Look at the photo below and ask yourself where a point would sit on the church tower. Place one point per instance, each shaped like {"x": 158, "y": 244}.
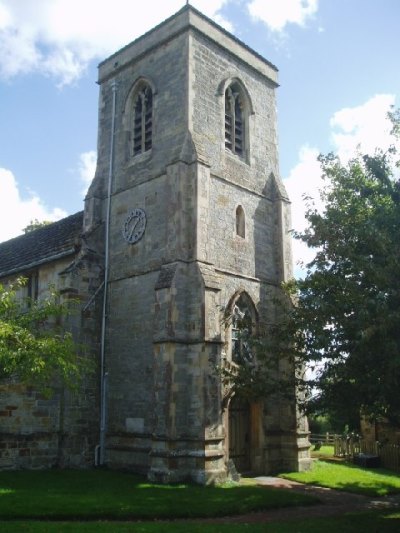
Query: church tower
{"x": 188, "y": 208}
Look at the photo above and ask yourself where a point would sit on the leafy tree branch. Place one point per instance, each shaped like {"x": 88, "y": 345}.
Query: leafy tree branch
{"x": 33, "y": 344}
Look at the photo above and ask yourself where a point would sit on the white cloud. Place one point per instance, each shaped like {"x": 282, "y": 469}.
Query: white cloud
{"x": 87, "y": 168}
{"x": 304, "y": 181}
{"x": 58, "y": 38}
{"x": 276, "y": 14}
{"x": 17, "y": 212}
{"x": 365, "y": 127}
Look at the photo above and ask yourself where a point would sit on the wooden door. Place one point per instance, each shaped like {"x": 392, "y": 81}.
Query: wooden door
{"x": 239, "y": 434}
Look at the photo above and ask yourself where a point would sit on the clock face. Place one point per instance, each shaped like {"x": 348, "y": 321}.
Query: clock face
{"x": 134, "y": 226}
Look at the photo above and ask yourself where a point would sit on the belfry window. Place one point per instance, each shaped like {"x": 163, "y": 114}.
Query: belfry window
{"x": 234, "y": 120}
{"x": 143, "y": 120}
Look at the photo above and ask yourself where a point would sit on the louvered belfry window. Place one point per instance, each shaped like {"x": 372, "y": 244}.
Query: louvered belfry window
{"x": 234, "y": 120}
{"x": 143, "y": 121}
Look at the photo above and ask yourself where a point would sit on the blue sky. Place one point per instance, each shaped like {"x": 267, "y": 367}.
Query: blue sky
{"x": 339, "y": 73}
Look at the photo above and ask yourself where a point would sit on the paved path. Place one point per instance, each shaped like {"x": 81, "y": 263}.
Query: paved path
{"x": 333, "y": 502}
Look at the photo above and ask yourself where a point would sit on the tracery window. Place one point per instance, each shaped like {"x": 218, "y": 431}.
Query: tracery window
{"x": 234, "y": 120}
{"x": 241, "y": 331}
{"x": 143, "y": 120}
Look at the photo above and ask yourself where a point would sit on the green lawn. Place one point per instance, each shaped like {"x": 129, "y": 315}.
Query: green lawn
{"x": 324, "y": 451}
{"x": 350, "y": 478}
{"x": 108, "y": 501}
{"x": 384, "y": 521}
{"x": 104, "y": 494}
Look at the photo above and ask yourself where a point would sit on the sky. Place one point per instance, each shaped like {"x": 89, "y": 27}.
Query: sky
{"x": 339, "y": 74}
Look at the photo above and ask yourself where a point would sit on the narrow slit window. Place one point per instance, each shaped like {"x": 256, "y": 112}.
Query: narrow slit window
{"x": 234, "y": 120}
{"x": 143, "y": 121}
{"x": 32, "y": 287}
{"x": 240, "y": 222}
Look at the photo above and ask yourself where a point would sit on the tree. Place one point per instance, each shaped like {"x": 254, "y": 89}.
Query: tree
{"x": 347, "y": 315}
{"x": 36, "y": 224}
{"x": 340, "y": 339}
{"x": 33, "y": 344}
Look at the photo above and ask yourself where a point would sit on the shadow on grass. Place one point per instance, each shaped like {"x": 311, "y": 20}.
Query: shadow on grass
{"x": 350, "y": 464}
{"x": 349, "y": 477}
{"x": 384, "y": 521}
{"x": 104, "y": 494}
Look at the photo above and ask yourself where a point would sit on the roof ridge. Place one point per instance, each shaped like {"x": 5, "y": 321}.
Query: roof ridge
{"x": 58, "y": 239}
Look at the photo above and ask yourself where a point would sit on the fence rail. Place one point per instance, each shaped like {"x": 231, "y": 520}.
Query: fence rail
{"x": 324, "y": 438}
{"x": 349, "y": 447}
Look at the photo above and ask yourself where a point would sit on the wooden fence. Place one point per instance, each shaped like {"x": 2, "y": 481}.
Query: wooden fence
{"x": 349, "y": 447}
{"x": 324, "y": 438}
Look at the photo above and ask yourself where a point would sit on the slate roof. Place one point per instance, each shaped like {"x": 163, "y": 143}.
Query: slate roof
{"x": 54, "y": 241}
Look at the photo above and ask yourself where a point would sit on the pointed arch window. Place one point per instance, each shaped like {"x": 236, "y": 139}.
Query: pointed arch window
{"x": 143, "y": 120}
{"x": 234, "y": 120}
{"x": 240, "y": 222}
{"x": 242, "y": 330}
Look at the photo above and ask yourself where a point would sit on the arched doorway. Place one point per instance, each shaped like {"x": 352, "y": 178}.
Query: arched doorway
{"x": 240, "y": 352}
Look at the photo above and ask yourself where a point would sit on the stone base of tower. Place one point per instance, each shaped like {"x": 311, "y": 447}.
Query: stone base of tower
{"x": 166, "y": 460}
{"x": 203, "y": 461}
{"x": 176, "y": 460}
{"x": 287, "y": 452}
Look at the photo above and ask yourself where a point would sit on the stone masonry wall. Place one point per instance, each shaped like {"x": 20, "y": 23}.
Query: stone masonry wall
{"x": 168, "y": 291}
{"x": 62, "y": 429}
{"x": 29, "y": 428}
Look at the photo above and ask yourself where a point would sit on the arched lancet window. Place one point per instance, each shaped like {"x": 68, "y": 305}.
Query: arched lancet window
{"x": 240, "y": 222}
{"x": 243, "y": 322}
{"x": 234, "y": 120}
{"x": 142, "y": 120}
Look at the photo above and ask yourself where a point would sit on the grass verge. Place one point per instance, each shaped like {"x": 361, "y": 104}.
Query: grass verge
{"x": 104, "y": 494}
{"x": 350, "y": 478}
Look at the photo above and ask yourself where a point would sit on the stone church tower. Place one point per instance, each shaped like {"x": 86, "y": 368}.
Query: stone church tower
{"x": 188, "y": 208}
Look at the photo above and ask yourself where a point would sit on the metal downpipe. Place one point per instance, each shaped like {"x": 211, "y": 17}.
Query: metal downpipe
{"x": 103, "y": 373}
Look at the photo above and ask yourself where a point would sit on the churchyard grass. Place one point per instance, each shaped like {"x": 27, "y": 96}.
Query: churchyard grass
{"x": 105, "y": 494}
{"x": 324, "y": 451}
{"x": 350, "y": 478}
{"x": 384, "y": 521}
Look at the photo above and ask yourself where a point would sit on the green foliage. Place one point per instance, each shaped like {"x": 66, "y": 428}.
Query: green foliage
{"x": 336, "y": 339}
{"x": 36, "y": 224}
{"x": 33, "y": 344}
{"x": 320, "y": 424}
{"x": 348, "y": 309}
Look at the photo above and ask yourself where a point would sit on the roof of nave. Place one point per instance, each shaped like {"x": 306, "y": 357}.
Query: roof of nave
{"x": 42, "y": 245}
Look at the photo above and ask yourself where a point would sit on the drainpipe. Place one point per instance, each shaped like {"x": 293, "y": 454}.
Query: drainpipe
{"x": 103, "y": 373}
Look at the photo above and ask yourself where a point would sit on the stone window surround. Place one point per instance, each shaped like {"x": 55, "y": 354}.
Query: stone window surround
{"x": 230, "y": 330}
{"x": 240, "y": 222}
{"x": 137, "y": 89}
{"x": 235, "y": 115}
{"x": 32, "y": 285}
{"x": 247, "y": 111}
